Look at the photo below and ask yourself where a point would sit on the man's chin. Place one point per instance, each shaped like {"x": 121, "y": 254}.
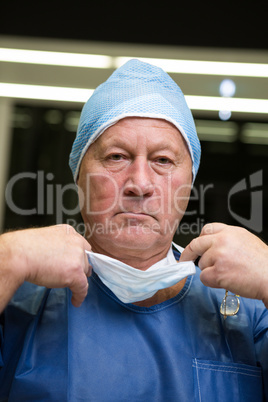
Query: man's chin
{"x": 137, "y": 233}
{"x": 133, "y": 238}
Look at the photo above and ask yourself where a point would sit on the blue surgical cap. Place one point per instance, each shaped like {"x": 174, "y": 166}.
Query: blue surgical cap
{"x": 135, "y": 89}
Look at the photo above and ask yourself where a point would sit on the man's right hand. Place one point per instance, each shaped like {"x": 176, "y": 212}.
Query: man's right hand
{"x": 53, "y": 257}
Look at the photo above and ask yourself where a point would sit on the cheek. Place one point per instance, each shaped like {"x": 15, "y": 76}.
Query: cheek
{"x": 180, "y": 194}
{"x": 98, "y": 194}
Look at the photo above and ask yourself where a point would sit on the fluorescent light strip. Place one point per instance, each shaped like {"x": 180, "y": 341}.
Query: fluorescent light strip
{"x": 81, "y": 95}
{"x": 255, "y": 133}
{"x": 213, "y": 130}
{"x": 55, "y": 58}
{"x": 105, "y": 61}
{"x": 213, "y": 103}
{"x": 204, "y": 67}
{"x": 42, "y": 92}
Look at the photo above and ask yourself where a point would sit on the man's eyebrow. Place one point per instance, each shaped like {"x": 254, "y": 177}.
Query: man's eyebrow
{"x": 100, "y": 147}
{"x": 156, "y": 147}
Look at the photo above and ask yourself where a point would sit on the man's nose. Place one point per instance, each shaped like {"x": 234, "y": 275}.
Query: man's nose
{"x": 139, "y": 182}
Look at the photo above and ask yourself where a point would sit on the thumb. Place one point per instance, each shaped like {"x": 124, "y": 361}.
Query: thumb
{"x": 188, "y": 254}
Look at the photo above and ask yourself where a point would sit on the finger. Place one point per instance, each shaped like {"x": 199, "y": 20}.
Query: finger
{"x": 188, "y": 254}
{"x": 86, "y": 245}
{"x": 88, "y": 267}
{"x": 212, "y": 228}
{"x": 196, "y": 248}
{"x": 79, "y": 292}
{"x": 205, "y": 261}
{"x": 209, "y": 278}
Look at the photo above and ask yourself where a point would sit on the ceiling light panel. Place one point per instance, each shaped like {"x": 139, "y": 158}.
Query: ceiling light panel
{"x": 55, "y": 58}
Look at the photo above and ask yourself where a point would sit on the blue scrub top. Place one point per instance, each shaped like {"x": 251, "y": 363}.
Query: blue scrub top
{"x": 105, "y": 350}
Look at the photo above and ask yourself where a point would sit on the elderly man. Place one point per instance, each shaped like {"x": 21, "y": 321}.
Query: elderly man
{"x": 147, "y": 328}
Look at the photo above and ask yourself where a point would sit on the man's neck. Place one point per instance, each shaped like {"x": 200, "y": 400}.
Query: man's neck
{"x": 140, "y": 259}
{"x": 162, "y": 295}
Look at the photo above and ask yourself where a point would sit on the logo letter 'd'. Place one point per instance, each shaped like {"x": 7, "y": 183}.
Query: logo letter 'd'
{"x": 256, "y": 200}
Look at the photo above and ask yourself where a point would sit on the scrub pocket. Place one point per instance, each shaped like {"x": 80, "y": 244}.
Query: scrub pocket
{"x": 226, "y": 382}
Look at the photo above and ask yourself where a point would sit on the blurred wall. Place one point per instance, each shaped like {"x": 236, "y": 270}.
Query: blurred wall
{"x": 36, "y": 137}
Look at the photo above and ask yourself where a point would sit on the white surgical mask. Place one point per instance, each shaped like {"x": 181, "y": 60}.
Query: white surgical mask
{"x": 131, "y": 284}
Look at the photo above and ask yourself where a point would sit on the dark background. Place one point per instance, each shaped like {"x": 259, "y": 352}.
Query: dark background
{"x": 225, "y": 25}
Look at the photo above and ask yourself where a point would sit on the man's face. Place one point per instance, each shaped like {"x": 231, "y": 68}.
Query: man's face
{"x": 134, "y": 185}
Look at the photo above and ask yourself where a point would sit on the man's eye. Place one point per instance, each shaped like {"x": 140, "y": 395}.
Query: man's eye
{"x": 163, "y": 161}
{"x": 116, "y": 157}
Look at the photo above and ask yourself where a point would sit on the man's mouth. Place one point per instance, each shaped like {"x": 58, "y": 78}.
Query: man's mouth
{"x": 135, "y": 214}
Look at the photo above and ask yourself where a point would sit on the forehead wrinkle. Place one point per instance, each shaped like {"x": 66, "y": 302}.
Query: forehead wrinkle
{"x": 111, "y": 139}
{"x": 155, "y": 144}
{"x": 116, "y": 136}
